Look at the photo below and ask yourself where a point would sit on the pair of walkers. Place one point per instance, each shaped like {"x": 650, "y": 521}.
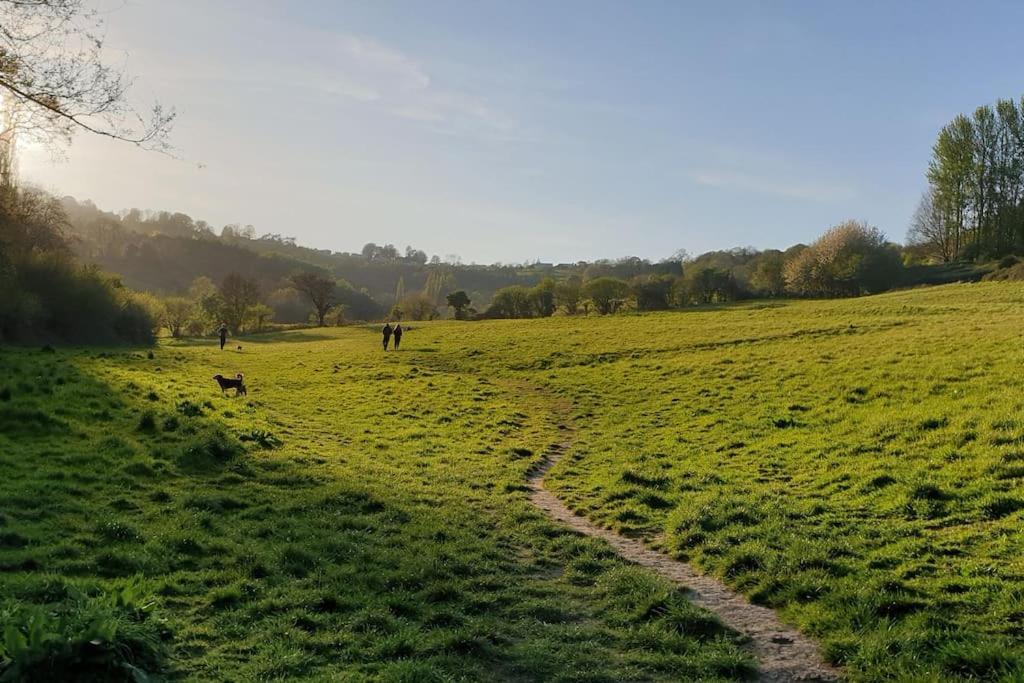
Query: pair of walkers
{"x": 390, "y": 332}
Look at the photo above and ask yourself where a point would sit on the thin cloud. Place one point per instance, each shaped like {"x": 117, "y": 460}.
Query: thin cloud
{"x": 372, "y": 73}
{"x": 766, "y": 184}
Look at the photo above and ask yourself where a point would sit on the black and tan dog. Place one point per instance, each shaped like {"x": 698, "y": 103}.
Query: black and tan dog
{"x": 227, "y": 383}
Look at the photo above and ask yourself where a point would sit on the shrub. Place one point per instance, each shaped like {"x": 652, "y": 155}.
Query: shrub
{"x": 607, "y": 294}
{"x": 147, "y": 422}
{"x": 189, "y": 409}
{"x": 49, "y": 296}
{"x": 261, "y": 438}
{"x": 511, "y": 302}
{"x": 653, "y": 292}
{"x": 704, "y": 286}
{"x": 210, "y": 446}
{"x": 850, "y": 259}
{"x": 109, "y": 637}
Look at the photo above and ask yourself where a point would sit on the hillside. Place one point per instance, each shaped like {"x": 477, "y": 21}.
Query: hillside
{"x": 163, "y": 252}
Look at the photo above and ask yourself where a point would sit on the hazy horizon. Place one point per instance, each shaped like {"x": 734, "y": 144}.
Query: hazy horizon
{"x": 518, "y": 132}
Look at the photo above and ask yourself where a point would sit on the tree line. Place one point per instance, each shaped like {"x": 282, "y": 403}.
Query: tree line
{"x": 198, "y": 279}
{"x": 850, "y": 259}
{"x": 250, "y": 291}
{"x": 973, "y": 208}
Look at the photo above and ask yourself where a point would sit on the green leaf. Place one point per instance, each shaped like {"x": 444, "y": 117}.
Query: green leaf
{"x": 14, "y": 641}
{"x": 138, "y": 675}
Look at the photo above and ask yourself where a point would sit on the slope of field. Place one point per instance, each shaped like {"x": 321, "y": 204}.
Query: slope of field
{"x": 357, "y": 516}
{"x": 856, "y": 465}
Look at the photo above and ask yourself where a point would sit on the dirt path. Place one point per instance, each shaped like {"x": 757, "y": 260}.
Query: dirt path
{"x": 782, "y": 653}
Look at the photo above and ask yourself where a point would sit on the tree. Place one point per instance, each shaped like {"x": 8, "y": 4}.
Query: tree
{"x": 56, "y": 80}
{"x": 511, "y": 302}
{"x": 950, "y": 174}
{"x": 31, "y": 221}
{"x": 237, "y": 294}
{"x": 151, "y": 305}
{"x": 415, "y": 255}
{"x": 705, "y": 285}
{"x": 652, "y": 292}
{"x": 851, "y": 258}
{"x": 976, "y": 177}
{"x": 930, "y": 229}
{"x": 438, "y": 281}
{"x": 983, "y": 190}
{"x": 458, "y": 301}
{"x": 257, "y": 316}
{"x": 177, "y": 312}
{"x": 400, "y": 290}
{"x": 606, "y": 293}
{"x": 801, "y": 272}
{"x": 208, "y": 305}
{"x": 419, "y": 306}
{"x": 567, "y": 294}
{"x": 319, "y": 290}
{"x": 337, "y": 315}
{"x": 680, "y": 256}
{"x": 543, "y": 295}
{"x": 767, "y": 276}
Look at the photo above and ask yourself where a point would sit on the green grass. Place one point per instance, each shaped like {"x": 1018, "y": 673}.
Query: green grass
{"x": 857, "y": 465}
{"x": 357, "y": 516}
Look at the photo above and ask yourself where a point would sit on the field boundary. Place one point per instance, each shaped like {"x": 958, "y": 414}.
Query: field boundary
{"x": 782, "y": 653}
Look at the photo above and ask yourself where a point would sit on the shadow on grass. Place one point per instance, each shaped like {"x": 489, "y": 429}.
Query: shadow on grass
{"x": 291, "y": 336}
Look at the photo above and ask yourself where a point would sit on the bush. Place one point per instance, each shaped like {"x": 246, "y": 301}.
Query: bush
{"x": 45, "y": 294}
{"x": 261, "y": 438}
{"x": 653, "y": 292}
{"x": 704, "y": 286}
{"x": 109, "y": 637}
{"x": 850, "y": 259}
{"x": 50, "y": 297}
{"x": 209, "y": 447}
{"x": 607, "y": 294}
{"x": 511, "y": 302}
{"x": 147, "y": 422}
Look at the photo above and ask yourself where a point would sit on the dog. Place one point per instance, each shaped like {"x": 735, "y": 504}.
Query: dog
{"x": 227, "y": 383}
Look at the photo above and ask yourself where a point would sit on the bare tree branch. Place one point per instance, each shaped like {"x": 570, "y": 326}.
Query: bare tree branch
{"x": 57, "y": 79}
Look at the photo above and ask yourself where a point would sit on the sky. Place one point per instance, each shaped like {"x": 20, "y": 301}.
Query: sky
{"x": 531, "y": 130}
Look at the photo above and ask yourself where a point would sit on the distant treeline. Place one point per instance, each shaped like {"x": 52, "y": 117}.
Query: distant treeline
{"x": 199, "y": 274}
{"x": 173, "y": 255}
{"x": 850, "y": 259}
{"x": 974, "y": 206}
{"x": 193, "y": 280}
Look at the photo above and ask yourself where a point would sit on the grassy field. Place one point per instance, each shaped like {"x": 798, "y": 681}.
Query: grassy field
{"x": 855, "y": 464}
{"x": 357, "y": 516}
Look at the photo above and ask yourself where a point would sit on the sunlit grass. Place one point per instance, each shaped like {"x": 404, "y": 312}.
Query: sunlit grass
{"x": 356, "y": 515}
{"x": 855, "y": 464}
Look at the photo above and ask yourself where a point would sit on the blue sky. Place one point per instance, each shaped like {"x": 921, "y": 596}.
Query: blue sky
{"x": 559, "y": 131}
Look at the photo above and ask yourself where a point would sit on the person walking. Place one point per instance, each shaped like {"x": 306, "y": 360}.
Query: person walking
{"x": 387, "y": 336}
{"x": 398, "y": 335}
{"x": 223, "y": 331}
